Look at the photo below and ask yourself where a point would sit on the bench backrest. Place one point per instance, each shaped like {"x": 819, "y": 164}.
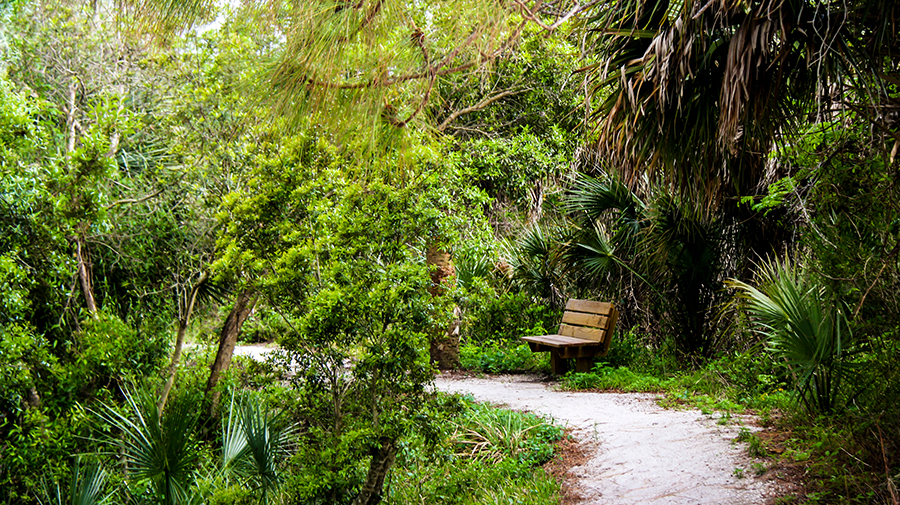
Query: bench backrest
{"x": 589, "y": 320}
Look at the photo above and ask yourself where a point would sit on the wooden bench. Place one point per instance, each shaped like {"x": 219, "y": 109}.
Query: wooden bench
{"x": 585, "y": 332}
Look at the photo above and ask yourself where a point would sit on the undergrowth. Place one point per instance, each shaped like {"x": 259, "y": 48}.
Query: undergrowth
{"x": 485, "y": 455}
{"x": 502, "y": 358}
{"x": 847, "y": 457}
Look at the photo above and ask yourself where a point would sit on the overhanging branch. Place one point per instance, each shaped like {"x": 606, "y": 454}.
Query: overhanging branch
{"x": 479, "y": 106}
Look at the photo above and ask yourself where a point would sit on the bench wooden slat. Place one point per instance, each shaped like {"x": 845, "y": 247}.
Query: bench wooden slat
{"x": 588, "y": 306}
{"x": 559, "y": 341}
{"x": 582, "y": 319}
{"x": 582, "y": 332}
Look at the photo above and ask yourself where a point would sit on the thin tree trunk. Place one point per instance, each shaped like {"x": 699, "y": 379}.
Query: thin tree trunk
{"x": 179, "y": 342}
{"x": 70, "y": 119}
{"x": 32, "y": 398}
{"x": 81, "y": 257}
{"x": 243, "y": 306}
{"x": 382, "y": 460}
{"x": 84, "y": 277}
{"x": 444, "y": 349}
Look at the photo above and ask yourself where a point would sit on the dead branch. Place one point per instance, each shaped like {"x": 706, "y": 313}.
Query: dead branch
{"x": 134, "y": 200}
{"x": 532, "y": 14}
{"x": 479, "y": 106}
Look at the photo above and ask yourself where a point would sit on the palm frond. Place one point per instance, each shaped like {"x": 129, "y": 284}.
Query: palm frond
{"x": 804, "y": 328}
{"x": 536, "y": 263}
{"x": 592, "y": 197}
{"x": 593, "y": 254}
{"x": 692, "y": 89}
{"x": 255, "y": 443}
{"x": 158, "y": 449}
{"x": 85, "y": 487}
{"x": 471, "y": 265}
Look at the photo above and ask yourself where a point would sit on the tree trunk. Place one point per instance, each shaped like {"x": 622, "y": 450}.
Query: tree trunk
{"x": 32, "y": 398}
{"x": 444, "y": 349}
{"x": 183, "y": 322}
{"x": 382, "y": 460}
{"x": 243, "y": 306}
{"x": 84, "y": 276}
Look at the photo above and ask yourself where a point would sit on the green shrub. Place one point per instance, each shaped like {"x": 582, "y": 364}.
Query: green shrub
{"x": 506, "y": 317}
{"x": 108, "y": 351}
{"x": 496, "y": 358}
{"x": 232, "y": 495}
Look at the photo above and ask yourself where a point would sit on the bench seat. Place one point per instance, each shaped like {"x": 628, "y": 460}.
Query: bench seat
{"x": 585, "y": 333}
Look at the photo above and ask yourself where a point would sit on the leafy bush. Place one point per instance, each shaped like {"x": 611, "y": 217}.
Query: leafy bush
{"x": 491, "y": 317}
{"x": 495, "y": 358}
{"x": 108, "y": 351}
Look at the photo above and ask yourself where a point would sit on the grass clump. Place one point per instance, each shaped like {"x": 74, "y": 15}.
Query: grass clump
{"x": 616, "y": 379}
{"x": 485, "y": 455}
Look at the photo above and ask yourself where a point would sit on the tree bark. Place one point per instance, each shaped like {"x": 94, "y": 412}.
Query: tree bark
{"x": 444, "y": 348}
{"x": 382, "y": 460}
{"x": 32, "y": 398}
{"x": 179, "y": 341}
{"x": 84, "y": 277}
{"x": 243, "y": 306}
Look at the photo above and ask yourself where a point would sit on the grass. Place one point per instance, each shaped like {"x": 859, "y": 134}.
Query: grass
{"x": 488, "y": 456}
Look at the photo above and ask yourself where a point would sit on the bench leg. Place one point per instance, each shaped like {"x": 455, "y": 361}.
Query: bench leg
{"x": 558, "y": 365}
{"x": 584, "y": 365}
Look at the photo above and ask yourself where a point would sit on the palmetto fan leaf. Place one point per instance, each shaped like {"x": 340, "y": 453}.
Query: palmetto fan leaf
{"x": 536, "y": 261}
{"x": 802, "y": 327}
{"x": 593, "y": 254}
{"x": 158, "y": 449}
{"x": 85, "y": 487}
{"x": 471, "y": 265}
{"x": 254, "y": 444}
{"x": 591, "y": 198}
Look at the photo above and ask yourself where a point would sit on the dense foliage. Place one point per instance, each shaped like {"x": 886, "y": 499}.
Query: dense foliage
{"x": 367, "y": 182}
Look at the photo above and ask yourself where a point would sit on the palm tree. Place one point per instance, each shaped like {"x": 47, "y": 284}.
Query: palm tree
{"x": 695, "y": 92}
{"x": 667, "y": 252}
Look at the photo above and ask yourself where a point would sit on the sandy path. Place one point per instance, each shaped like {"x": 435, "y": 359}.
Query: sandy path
{"x": 640, "y": 452}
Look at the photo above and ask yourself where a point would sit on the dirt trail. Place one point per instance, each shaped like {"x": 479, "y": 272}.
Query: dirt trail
{"x": 640, "y": 453}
